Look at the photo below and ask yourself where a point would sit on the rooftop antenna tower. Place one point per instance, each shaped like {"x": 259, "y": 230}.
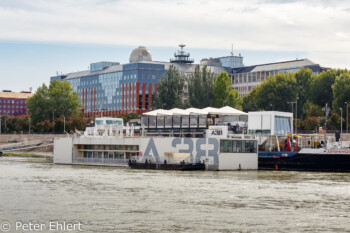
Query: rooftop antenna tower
{"x": 182, "y": 57}
{"x": 232, "y": 49}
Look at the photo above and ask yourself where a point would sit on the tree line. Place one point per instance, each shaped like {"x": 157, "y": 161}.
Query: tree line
{"x": 204, "y": 90}
{"x": 306, "y": 94}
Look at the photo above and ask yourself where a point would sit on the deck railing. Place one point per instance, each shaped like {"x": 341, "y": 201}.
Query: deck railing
{"x": 101, "y": 161}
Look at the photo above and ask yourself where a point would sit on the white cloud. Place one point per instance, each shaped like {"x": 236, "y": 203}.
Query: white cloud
{"x": 317, "y": 27}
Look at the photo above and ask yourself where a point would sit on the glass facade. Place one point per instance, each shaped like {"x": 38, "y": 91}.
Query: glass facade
{"x": 231, "y": 61}
{"x": 121, "y": 89}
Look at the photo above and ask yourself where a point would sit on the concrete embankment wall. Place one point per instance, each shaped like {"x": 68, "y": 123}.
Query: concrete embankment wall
{"x": 4, "y": 138}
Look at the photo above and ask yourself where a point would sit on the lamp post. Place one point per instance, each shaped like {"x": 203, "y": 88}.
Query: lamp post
{"x": 347, "y": 111}
{"x": 64, "y": 124}
{"x": 296, "y": 115}
{"x": 341, "y": 120}
{"x": 292, "y": 115}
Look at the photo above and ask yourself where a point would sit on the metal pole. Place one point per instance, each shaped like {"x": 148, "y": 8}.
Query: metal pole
{"x": 325, "y": 127}
{"x": 0, "y": 125}
{"x": 296, "y": 115}
{"x": 292, "y": 115}
{"x": 341, "y": 120}
{"x": 64, "y": 124}
{"x": 347, "y": 119}
{"x": 29, "y": 125}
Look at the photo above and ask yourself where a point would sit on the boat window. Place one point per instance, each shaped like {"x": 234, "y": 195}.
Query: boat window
{"x": 116, "y": 122}
{"x": 98, "y": 122}
{"x": 144, "y": 121}
{"x": 194, "y": 121}
{"x": 176, "y": 121}
{"x": 202, "y": 121}
{"x": 185, "y": 122}
{"x": 109, "y": 122}
{"x": 238, "y": 146}
{"x": 168, "y": 121}
{"x": 152, "y": 122}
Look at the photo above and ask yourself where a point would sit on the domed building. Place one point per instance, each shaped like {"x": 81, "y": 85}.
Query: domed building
{"x": 140, "y": 54}
{"x": 110, "y": 88}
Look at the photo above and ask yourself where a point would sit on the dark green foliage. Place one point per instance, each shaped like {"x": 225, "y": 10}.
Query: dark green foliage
{"x": 52, "y": 102}
{"x": 201, "y": 88}
{"x": 170, "y": 90}
{"x": 224, "y": 94}
{"x": 273, "y": 94}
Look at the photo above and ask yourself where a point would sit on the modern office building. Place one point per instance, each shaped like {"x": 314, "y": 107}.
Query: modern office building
{"x": 116, "y": 88}
{"x": 13, "y": 103}
{"x": 245, "y": 78}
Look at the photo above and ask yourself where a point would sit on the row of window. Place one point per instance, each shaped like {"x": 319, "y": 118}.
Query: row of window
{"x": 13, "y": 101}
{"x": 110, "y": 147}
{"x": 13, "y": 106}
{"x": 12, "y": 111}
{"x": 243, "y": 89}
{"x": 105, "y": 155}
{"x": 259, "y": 76}
{"x": 238, "y": 146}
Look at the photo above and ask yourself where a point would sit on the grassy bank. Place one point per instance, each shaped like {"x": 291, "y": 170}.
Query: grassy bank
{"x": 26, "y": 155}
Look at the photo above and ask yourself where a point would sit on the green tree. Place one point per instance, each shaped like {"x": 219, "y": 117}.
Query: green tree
{"x": 341, "y": 91}
{"x": 224, "y": 94}
{"x": 201, "y": 88}
{"x": 311, "y": 123}
{"x": 43, "y": 126}
{"x": 312, "y": 110}
{"x": 22, "y": 124}
{"x": 321, "y": 88}
{"x": 54, "y": 101}
{"x": 304, "y": 78}
{"x": 249, "y": 101}
{"x": 170, "y": 90}
{"x": 277, "y": 92}
{"x": 334, "y": 122}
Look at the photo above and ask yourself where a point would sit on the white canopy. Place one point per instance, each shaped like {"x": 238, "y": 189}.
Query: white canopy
{"x": 195, "y": 111}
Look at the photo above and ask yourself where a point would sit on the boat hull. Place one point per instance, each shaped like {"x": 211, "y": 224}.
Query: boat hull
{"x": 179, "y": 167}
{"x": 293, "y": 161}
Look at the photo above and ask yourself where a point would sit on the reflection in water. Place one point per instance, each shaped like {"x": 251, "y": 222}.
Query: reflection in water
{"x": 107, "y": 199}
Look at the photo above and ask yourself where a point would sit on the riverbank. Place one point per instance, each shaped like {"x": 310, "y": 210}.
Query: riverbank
{"x": 28, "y": 155}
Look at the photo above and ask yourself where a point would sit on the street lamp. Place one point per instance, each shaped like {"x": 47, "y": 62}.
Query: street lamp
{"x": 347, "y": 111}
{"x": 292, "y": 115}
{"x": 296, "y": 115}
{"x": 341, "y": 120}
{"x": 64, "y": 124}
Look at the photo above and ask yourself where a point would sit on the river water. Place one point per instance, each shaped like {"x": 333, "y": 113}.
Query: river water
{"x": 107, "y": 199}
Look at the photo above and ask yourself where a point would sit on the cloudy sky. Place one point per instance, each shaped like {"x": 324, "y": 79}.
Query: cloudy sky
{"x": 40, "y": 37}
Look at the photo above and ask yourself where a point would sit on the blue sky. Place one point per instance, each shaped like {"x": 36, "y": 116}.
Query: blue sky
{"x": 40, "y": 37}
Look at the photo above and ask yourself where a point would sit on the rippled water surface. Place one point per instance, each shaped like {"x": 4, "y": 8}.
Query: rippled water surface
{"x": 122, "y": 200}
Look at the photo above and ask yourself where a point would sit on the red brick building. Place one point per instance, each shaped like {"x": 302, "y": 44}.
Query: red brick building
{"x": 14, "y": 103}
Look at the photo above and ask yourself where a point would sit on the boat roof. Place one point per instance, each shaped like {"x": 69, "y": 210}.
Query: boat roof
{"x": 227, "y": 110}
